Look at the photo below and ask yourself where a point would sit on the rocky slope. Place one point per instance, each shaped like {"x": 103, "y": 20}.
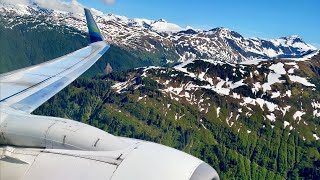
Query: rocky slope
{"x": 282, "y": 92}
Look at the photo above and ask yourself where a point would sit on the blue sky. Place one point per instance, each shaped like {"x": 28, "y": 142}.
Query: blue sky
{"x": 251, "y": 18}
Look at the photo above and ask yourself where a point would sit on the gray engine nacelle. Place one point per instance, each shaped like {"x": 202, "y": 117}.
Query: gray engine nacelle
{"x": 25, "y": 130}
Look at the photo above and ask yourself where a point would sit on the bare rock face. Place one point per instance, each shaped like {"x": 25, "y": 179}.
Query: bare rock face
{"x": 108, "y": 69}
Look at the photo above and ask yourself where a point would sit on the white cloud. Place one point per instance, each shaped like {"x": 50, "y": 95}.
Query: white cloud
{"x": 74, "y": 6}
{"x": 108, "y": 1}
{"x": 15, "y": 1}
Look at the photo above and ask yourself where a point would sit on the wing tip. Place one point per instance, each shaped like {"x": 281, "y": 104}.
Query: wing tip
{"x": 94, "y": 31}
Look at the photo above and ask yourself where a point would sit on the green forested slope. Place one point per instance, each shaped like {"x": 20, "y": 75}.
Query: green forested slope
{"x": 265, "y": 153}
{"x": 21, "y": 46}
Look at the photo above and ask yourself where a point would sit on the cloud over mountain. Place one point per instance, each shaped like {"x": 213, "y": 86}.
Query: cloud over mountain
{"x": 108, "y": 1}
{"x": 74, "y": 6}
{"x": 15, "y": 1}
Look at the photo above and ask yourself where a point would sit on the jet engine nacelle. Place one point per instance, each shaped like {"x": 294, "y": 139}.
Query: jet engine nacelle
{"x": 64, "y": 140}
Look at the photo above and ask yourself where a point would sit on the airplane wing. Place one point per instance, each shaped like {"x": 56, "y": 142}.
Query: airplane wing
{"x": 39, "y": 147}
{"x": 28, "y": 88}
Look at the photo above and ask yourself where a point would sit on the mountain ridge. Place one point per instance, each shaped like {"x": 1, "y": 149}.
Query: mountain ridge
{"x": 266, "y": 87}
{"x": 171, "y": 42}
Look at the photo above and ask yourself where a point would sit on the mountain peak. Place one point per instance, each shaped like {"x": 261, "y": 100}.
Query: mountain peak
{"x": 161, "y": 20}
{"x": 292, "y": 37}
{"x": 294, "y": 41}
{"x": 220, "y": 29}
{"x": 189, "y": 31}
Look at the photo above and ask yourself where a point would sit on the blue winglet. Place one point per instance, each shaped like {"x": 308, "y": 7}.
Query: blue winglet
{"x": 94, "y": 32}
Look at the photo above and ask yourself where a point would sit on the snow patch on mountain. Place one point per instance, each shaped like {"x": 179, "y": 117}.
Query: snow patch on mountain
{"x": 278, "y": 68}
{"x": 298, "y": 115}
{"x": 301, "y": 80}
{"x": 272, "y": 79}
{"x": 163, "y": 26}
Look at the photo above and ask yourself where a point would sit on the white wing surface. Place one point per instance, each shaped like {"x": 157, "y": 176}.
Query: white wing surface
{"x": 28, "y": 88}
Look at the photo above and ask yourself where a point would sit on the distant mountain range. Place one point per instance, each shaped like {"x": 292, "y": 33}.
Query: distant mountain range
{"x": 168, "y": 41}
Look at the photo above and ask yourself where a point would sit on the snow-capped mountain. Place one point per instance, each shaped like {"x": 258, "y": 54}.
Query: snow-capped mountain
{"x": 168, "y": 41}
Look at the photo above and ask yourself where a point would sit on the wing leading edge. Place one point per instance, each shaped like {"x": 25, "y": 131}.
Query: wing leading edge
{"x": 28, "y": 88}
